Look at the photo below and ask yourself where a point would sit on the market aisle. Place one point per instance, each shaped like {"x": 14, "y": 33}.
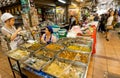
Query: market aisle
{"x": 106, "y": 61}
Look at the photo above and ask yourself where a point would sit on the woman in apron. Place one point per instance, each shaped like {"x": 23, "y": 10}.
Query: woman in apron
{"x": 9, "y": 30}
{"x": 48, "y": 37}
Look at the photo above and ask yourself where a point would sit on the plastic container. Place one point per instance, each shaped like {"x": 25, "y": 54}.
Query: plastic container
{"x": 62, "y": 33}
{"x": 55, "y": 28}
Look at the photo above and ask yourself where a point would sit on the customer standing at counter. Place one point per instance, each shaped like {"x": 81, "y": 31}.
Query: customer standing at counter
{"x": 9, "y": 30}
{"x": 48, "y": 37}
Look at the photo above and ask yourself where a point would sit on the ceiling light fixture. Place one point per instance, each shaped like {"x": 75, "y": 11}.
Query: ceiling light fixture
{"x": 62, "y": 1}
{"x": 81, "y": 0}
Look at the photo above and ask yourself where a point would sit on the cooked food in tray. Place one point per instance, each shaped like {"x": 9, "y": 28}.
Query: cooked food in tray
{"x": 55, "y": 68}
{"x": 25, "y": 45}
{"x": 72, "y": 72}
{"x": 85, "y": 49}
{"x": 35, "y": 63}
{"x": 35, "y": 46}
{"x": 79, "y": 48}
{"x": 73, "y": 47}
{"x": 54, "y": 47}
{"x": 67, "y": 55}
{"x": 82, "y": 58}
{"x": 18, "y": 54}
{"x": 45, "y": 53}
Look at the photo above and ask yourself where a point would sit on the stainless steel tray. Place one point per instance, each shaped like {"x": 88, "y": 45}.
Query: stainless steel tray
{"x": 43, "y": 53}
{"x": 54, "y": 47}
{"x": 36, "y": 63}
{"x": 79, "y": 48}
{"x": 55, "y": 68}
{"x": 18, "y": 54}
{"x": 76, "y": 57}
{"x": 62, "y": 69}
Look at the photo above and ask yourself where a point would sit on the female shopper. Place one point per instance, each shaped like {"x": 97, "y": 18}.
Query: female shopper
{"x": 109, "y": 25}
{"x": 48, "y": 37}
{"x": 9, "y": 30}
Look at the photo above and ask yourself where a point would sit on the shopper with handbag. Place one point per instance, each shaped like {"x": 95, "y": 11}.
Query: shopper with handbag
{"x": 109, "y": 25}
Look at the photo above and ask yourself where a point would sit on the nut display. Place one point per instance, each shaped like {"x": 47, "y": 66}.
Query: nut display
{"x": 18, "y": 54}
{"x": 54, "y": 47}
{"x": 67, "y": 55}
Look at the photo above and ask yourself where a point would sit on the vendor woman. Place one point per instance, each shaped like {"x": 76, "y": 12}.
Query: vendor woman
{"x": 48, "y": 37}
{"x": 10, "y": 31}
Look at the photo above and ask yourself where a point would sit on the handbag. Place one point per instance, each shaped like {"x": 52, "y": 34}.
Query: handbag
{"x": 110, "y": 27}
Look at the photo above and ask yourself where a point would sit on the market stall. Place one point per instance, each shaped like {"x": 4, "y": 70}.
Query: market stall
{"x": 70, "y": 57}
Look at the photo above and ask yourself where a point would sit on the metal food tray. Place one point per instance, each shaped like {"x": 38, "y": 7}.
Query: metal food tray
{"x": 65, "y": 70}
{"x": 79, "y": 50}
{"x": 25, "y": 45}
{"x": 18, "y": 54}
{"x": 42, "y": 53}
{"x": 54, "y": 47}
{"x": 55, "y": 68}
{"x": 35, "y": 63}
{"x": 74, "y": 61}
{"x": 35, "y": 47}
{"x": 74, "y": 72}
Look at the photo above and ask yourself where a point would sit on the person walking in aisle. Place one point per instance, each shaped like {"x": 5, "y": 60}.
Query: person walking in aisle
{"x": 109, "y": 25}
{"x": 9, "y": 30}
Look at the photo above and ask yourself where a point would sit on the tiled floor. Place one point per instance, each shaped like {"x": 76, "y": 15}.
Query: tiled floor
{"x": 107, "y": 57}
{"x": 102, "y": 64}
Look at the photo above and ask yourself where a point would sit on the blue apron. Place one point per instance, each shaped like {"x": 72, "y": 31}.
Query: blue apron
{"x": 48, "y": 42}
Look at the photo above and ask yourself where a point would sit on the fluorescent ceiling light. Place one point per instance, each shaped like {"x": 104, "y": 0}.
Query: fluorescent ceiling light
{"x": 62, "y": 1}
{"x": 81, "y": 0}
